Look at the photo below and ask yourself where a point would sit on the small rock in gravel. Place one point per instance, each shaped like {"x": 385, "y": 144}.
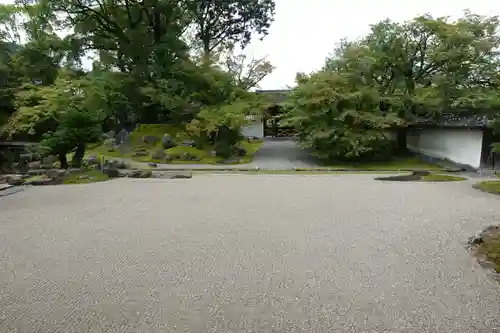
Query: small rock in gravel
{"x": 152, "y": 164}
{"x": 181, "y": 176}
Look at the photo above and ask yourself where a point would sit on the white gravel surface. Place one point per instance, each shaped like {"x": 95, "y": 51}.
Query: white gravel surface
{"x": 246, "y": 253}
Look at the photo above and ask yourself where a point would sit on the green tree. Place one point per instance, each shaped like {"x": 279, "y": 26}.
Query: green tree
{"x": 65, "y": 115}
{"x": 337, "y": 120}
{"x": 219, "y": 23}
{"x": 425, "y": 67}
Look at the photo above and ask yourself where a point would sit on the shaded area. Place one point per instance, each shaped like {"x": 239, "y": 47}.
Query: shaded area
{"x": 282, "y": 153}
{"x": 422, "y": 176}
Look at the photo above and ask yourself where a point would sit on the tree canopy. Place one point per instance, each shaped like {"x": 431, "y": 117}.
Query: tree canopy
{"x": 397, "y": 74}
{"x": 143, "y": 69}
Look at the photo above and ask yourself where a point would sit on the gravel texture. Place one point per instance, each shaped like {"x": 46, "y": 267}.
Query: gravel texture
{"x": 246, "y": 253}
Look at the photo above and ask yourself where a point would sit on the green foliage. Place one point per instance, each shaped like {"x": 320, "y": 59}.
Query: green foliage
{"x": 216, "y": 23}
{"x": 442, "y": 178}
{"x": 489, "y": 186}
{"x": 144, "y": 72}
{"x": 397, "y": 74}
{"x": 338, "y": 122}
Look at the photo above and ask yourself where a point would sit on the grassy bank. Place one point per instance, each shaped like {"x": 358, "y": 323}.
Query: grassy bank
{"x": 400, "y": 163}
{"x": 139, "y": 151}
{"x": 489, "y": 186}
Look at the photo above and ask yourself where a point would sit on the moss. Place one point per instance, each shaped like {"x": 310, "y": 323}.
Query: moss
{"x": 490, "y": 248}
{"x": 203, "y": 156}
{"x": 396, "y": 164}
{"x": 85, "y": 177}
{"x": 422, "y": 178}
{"x": 441, "y": 178}
{"x": 489, "y": 186}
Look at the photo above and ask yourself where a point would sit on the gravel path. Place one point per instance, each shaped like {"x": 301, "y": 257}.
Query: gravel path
{"x": 246, "y": 253}
{"x": 275, "y": 154}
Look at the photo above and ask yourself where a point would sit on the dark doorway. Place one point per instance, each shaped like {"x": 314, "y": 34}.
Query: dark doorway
{"x": 489, "y": 159}
{"x": 272, "y": 126}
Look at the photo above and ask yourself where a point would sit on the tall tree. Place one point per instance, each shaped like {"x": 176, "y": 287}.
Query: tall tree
{"x": 233, "y": 21}
{"x": 246, "y": 72}
{"x": 420, "y": 69}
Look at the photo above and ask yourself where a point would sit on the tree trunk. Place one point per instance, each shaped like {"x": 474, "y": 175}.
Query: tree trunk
{"x": 63, "y": 160}
{"x": 401, "y": 144}
{"x": 78, "y": 156}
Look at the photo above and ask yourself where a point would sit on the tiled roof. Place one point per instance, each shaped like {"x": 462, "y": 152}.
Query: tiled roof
{"x": 455, "y": 120}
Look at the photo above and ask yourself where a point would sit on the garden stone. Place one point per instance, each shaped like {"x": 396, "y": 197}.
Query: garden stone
{"x": 117, "y": 164}
{"x": 110, "y": 135}
{"x": 146, "y": 174}
{"x": 420, "y": 173}
{"x": 54, "y": 174}
{"x": 213, "y": 153}
{"x": 186, "y": 156}
{"x": 26, "y": 157}
{"x": 140, "y": 174}
{"x": 22, "y": 166}
{"x": 152, "y": 164}
{"x": 122, "y": 137}
{"x": 167, "y": 159}
{"x": 150, "y": 139}
{"x": 14, "y": 180}
{"x": 93, "y": 160}
{"x": 110, "y": 143}
{"x": 36, "y": 172}
{"x": 167, "y": 141}
{"x": 42, "y": 181}
{"x": 181, "y": 176}
{"x": 50, "y": 159}
{"x": 240, "y": 151}
{"x": 158, "y": 154}
{"x": 112, "y": 173}
{"x": 35, "y": 165}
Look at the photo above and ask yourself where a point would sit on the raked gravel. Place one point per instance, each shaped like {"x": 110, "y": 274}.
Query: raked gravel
{"x": 247, "y": 253}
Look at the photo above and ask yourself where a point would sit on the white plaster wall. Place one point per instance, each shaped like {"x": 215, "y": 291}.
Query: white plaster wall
{"x": 462, "y": 146}
{"x": 253, "y": 129}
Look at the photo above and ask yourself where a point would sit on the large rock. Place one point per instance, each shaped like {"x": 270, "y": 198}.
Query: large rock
{"x": 115, "y": 164}
{"x": 14, "y": 180}
{"x": 150, "y": 139}
{"x": 110, "y": 143}
{"x": 181, "y": 176}
{"x": 29, "y": 157}
{"x": 49, "y": 160}
{"x": 110, "y": 134}
{"x": 22, "y": 166}
{"x": 93, "y": 160}
{"x": 122, "y": 137}
{"x": 167, "y": 141}
{"x": 44, "y": 180}
{"x": 240, "y": 151}
{"x": 140, "y": 174}
{"x": 56, "y": 173}
{"x": 112, "y": 173}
